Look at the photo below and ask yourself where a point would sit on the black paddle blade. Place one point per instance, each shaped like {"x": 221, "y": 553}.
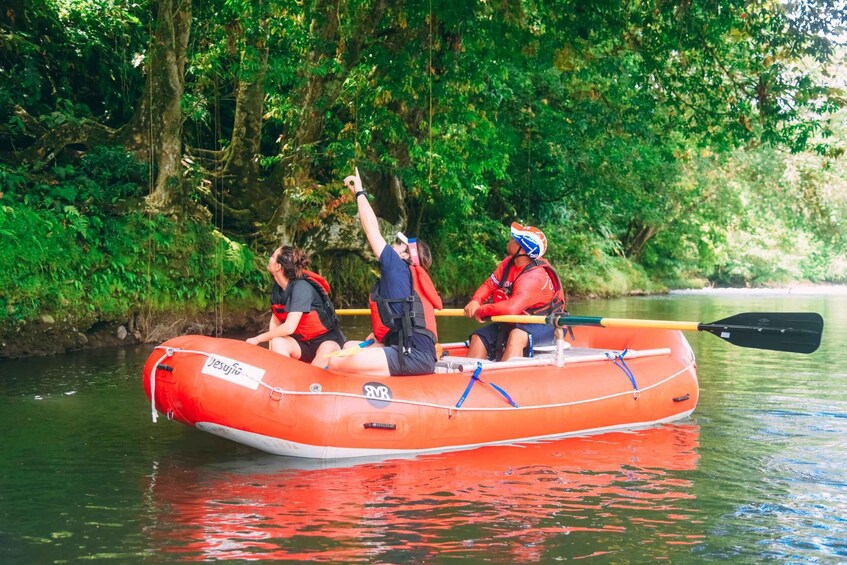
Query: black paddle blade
{"x": 797, "y": 332}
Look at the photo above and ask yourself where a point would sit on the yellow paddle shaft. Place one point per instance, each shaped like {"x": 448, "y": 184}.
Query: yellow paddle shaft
{"x": 654, "y": 324}
{"x": 346, "y": 352}
{"x": 523, "y": 319}
{"x": 605, "y": 322}
{"x": 447, "y": 312}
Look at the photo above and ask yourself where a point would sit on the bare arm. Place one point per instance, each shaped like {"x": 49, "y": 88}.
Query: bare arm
{"x": 366, "y": 214}
{"x": 278, "y": 330}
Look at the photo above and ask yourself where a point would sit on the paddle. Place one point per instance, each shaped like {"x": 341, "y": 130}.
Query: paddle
{"x": 351, "y": 350}
{"x": 797, "y": 332}
{"x": 447, "y": 312}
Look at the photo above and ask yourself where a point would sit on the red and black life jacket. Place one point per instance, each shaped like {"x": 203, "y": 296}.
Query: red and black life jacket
{"x": 417, "y": 313}
{"x": 315, "y": 322}
{"x": 557, "y": 304}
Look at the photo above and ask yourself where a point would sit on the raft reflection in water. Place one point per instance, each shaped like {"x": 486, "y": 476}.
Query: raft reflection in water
{"x": 569, "y": 498}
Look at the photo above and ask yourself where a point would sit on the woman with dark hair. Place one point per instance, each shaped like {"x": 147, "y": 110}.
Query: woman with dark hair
{"x": 303, "y": 323}
{"x": 402, "y": 303}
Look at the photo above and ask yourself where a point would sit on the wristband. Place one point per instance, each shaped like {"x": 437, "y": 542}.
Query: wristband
{"x": 361, "y": 192}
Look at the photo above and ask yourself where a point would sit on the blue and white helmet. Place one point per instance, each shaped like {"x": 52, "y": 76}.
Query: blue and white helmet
{"x": 531, "y": 240}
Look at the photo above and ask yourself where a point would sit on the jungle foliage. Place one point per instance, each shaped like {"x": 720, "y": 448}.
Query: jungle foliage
{"x": 79, "y": 250}
{"x": 149, "y": 150}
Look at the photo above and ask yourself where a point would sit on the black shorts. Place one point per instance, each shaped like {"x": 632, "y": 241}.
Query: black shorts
{"x": 309, "y": 348}
{"x": 415, "y": 362}
{"x": 540, "y": 334}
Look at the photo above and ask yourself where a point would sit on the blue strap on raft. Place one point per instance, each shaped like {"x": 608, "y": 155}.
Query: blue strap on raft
{"x": 474, "y": 378}
{"x": 621, "y": 364}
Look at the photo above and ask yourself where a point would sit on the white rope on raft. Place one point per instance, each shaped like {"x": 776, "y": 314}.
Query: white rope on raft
{"x": 168, "y": 352}
{"x": 450, "y": 409}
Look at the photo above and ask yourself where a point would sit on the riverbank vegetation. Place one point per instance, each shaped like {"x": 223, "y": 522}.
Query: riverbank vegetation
{"x": 152, "y": 154}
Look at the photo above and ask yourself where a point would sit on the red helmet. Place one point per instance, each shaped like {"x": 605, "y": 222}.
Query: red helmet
{"x": 531, "y": 240}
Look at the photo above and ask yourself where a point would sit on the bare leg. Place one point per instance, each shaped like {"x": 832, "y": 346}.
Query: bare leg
{"x": 371, "y": 361}
{"x": 324, "y": 349}
{"x": 515, "y": 344}
{"x": 477, "y": 348}
{"x": 286, "y": 346}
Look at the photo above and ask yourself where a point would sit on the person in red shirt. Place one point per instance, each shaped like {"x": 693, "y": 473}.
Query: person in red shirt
{"x": 523, "y": 283}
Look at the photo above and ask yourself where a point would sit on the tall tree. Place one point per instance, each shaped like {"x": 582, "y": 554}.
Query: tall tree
{"x": 155, "y": 130}
{"x": 333, "y": 49}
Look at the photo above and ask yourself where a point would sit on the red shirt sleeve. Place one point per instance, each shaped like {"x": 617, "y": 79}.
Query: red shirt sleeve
{"x": 532, "y": 289}
{"x": 491, "y": 284}
{"x": 484, "y": 291}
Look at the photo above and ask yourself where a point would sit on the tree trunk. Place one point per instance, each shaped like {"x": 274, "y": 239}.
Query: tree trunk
{"x": 241, "y": 158}
{"x": 45, "y": 149}
{"x": 241, "y": 197}
{"x": 294, "y": 170}
{"x": 155, "y": 130}
{"x": 641, "y": 234}
{"x": 318, "y": 92}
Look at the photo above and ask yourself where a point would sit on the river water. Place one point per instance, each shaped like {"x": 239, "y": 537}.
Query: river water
{"x": 758, "y": 472}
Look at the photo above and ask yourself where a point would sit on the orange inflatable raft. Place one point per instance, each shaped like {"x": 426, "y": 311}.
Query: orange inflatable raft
{"x": 608, "y": 379}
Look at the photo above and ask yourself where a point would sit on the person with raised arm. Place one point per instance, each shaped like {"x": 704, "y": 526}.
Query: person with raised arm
{"x": 402, "y": 303}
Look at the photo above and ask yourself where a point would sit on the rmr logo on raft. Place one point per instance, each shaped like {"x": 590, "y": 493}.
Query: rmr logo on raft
{"x": 377, "y": 394}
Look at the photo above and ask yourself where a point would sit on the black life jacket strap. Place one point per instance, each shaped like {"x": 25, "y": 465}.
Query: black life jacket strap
{"x": 410, "y": 320}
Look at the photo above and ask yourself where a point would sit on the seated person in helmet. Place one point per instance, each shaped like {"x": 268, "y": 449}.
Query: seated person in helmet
{"x": 523, "y": 283}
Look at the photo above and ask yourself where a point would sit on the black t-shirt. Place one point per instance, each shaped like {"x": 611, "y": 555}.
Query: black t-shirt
{"x": 298, "y": 296}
